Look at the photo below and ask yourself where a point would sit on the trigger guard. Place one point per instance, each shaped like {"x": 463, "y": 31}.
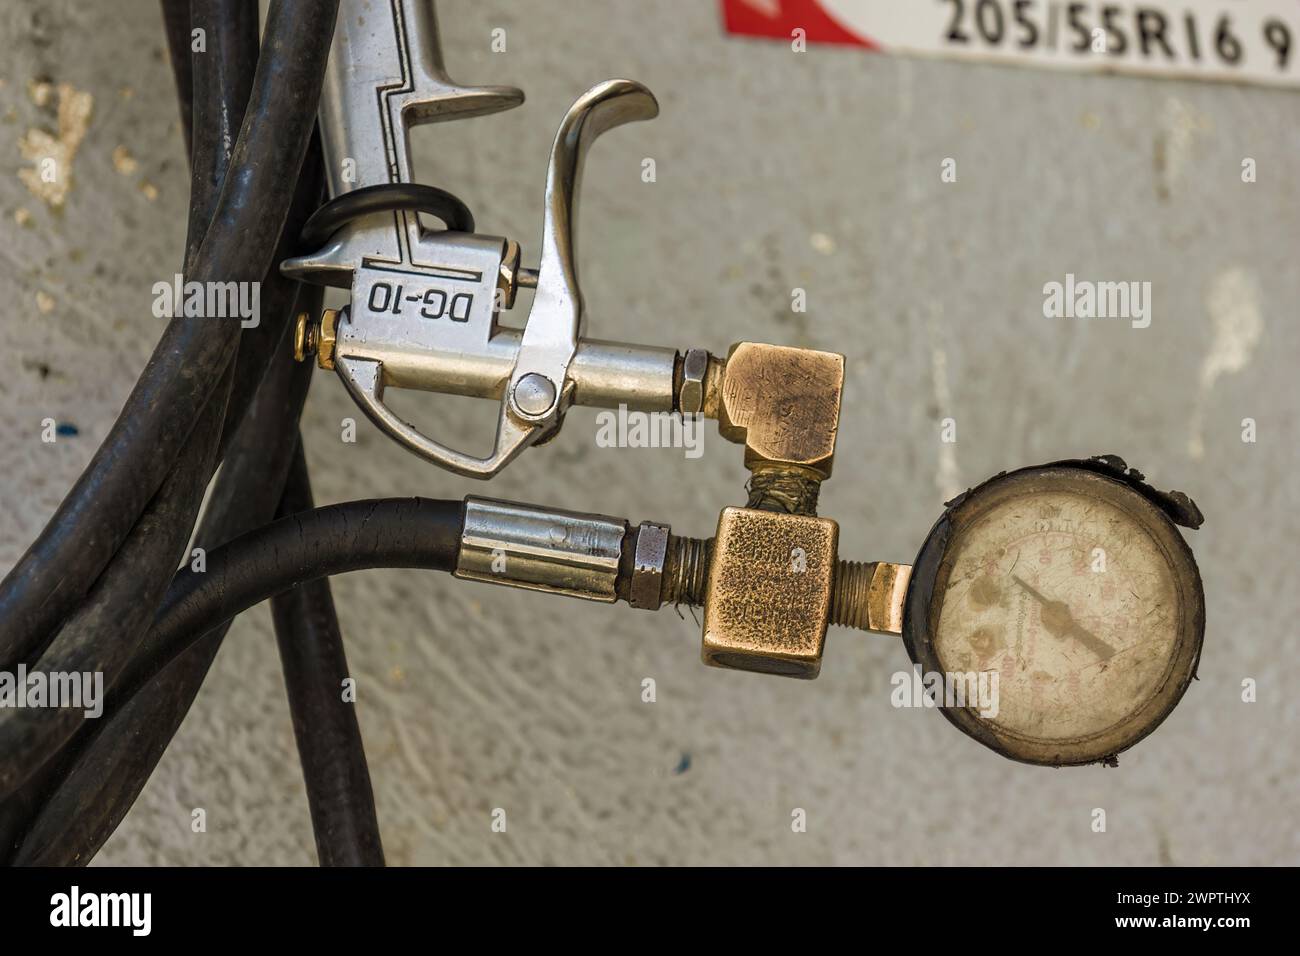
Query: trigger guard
{"x": 364, "y": 381}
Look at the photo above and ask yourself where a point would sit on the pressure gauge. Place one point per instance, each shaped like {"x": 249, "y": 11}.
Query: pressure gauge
{"x": 1071, "y": 584}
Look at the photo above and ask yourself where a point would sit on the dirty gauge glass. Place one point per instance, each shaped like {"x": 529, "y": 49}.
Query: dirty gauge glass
{"x": 1073, "y": 585}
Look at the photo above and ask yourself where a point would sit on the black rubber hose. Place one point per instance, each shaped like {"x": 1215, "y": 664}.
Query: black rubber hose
{"x": 383, "y": 533}
{"x": 221, "y": 79}
{"x": 282, "y": 298}
{"x": 100, "y": 637}
{"x": 227, "y": 96}
{"x": 223, "y": 73}
{"x": 105, "y": 766}
{"x": 325, "y": 726}
{"x": 110, "y": 623}
{"x": 336, "y": 539}
{"x": 103, "y": 769}
{"x": 176, "y": 24}
{"x": 247, "y": 220}
{"x": 226, "y": 66}
{"x": 109, "y": 497}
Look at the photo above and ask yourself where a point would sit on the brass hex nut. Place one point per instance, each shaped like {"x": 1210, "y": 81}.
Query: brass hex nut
{"x": 769, "y": 593}
{"x": 326, "y": 338}
{"x": 783, "y": 403}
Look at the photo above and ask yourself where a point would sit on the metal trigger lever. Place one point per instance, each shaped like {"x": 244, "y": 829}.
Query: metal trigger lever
{"x": 540, "y": 389}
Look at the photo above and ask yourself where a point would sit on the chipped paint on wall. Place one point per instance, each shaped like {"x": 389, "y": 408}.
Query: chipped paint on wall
{"x": 1179, "y": 127}
{"x": 1233, "y": 303}
{"x": 39, "y": 147}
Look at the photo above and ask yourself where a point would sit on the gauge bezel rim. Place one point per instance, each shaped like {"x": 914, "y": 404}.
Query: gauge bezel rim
{"x": 921, "y": 613}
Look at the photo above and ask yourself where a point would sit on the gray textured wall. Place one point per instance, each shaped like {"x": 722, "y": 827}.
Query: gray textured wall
{"x": 775, "y": 170}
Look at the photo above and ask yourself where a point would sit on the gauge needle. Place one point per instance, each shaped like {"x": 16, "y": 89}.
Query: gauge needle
{"x": 1058, "y": 621}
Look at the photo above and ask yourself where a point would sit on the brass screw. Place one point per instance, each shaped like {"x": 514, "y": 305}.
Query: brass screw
{"x": 316, "y": 338}
{"x": 304, "y": 337}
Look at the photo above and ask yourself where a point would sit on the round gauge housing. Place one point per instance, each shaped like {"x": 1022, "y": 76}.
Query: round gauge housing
{"x": 1071, "y": 584}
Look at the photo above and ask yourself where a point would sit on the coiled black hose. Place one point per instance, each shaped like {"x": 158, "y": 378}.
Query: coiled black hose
{"x": 65, "y": 797}
{"x": 16, "y": 810}
{"x": 221, "y": 79}
{"x": 103, "y": 769}
{"x": 383, "y": 533}
{"x": 97, "y": 516}
{"x": 30, "y": 736}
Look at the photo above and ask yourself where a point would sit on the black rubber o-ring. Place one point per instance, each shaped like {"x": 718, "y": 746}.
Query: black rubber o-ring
{"x": 385, "y": 197}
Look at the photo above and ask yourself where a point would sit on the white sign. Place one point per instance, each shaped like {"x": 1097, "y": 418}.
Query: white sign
{"x": 1246, "y": 40}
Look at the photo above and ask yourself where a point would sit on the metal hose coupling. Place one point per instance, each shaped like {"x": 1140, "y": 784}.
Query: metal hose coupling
{"x": 770, "y": 582}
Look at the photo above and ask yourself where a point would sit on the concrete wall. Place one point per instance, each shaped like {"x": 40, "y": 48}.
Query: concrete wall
{"x": 774, "y": 171}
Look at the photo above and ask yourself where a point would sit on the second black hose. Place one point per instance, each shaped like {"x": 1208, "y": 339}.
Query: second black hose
{"x": 325, "y": 726}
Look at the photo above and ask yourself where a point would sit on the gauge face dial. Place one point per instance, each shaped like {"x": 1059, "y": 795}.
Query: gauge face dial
{"x": 1079, "y": 594}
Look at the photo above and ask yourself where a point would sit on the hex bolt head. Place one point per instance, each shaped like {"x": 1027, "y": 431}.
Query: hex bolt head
{"x": 534, "y": 394}
{"x": 695, "y": 368}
